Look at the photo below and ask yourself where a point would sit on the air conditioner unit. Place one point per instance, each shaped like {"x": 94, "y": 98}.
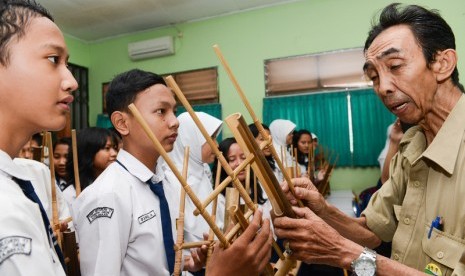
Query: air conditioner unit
{"x": 157, "y": 47}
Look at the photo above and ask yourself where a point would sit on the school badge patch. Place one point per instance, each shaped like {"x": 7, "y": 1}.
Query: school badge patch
{"x": 12, "y": 245}
{"x": 100, "y": 212}
{"x": 145, "y": 217}
{"x": 432, "y": 269}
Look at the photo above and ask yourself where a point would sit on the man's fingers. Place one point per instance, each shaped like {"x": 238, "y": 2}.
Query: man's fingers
{"x": 253, "y": 227}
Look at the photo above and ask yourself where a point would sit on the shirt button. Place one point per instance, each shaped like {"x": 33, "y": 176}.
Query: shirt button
{"x": 416, "y": 184}
{"x": 407, "y": 221}
{"x": 440, "y": 254}
{"x": 396, "y": 257}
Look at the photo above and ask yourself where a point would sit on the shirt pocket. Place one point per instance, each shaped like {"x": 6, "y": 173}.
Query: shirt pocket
{"x": 443, "y": 248}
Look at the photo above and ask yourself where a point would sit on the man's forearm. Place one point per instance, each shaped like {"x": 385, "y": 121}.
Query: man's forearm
{"x": 354, "y": 229}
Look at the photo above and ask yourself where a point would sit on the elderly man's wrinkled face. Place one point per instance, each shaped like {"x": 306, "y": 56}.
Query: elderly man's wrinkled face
{"x": 400, "y": 75}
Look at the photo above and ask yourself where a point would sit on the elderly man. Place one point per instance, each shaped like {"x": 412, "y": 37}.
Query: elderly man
{"x": 411, "y": 59}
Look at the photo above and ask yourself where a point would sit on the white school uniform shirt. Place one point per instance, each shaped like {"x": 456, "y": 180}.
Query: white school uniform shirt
{"x": 118, "y": 221}
{"x": 199, "y": 174}
{"x": 41, "y": 181}
{"x": 68, "y": 191}
{"x": 24, "y": 244}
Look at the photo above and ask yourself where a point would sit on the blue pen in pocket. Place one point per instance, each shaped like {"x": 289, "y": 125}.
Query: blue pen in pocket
{"x": 436, "y": 223}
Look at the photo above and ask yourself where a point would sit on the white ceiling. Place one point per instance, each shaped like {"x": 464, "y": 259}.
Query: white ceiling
{"x": 91, "y": 20}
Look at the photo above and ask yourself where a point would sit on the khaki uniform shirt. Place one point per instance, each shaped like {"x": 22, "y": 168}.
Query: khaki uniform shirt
{"x": 425, "y": 182}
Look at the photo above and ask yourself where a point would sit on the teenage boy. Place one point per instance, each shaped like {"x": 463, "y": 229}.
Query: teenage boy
{"x": 126, "y": 219}
{"x": 35, "y": 93}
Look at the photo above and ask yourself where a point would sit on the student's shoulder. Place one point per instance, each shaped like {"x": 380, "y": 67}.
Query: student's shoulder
{"x": 31, "y": 164}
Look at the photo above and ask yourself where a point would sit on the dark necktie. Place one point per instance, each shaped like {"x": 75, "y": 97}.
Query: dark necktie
{"x": 29, "y": 192}
{"x": 157, "y": 189}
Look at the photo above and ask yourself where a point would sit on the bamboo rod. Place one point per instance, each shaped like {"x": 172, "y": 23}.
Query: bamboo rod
{"x": 77, "y": 182}
{"x": 135, "y": 112}
{"x": 225, "y": 182}
{"x": 255, "y": 189}
{"x": 55, "y": 217}
{"x": 296, "y": 164}
{"x": 44, "y": 144}
{"x": 255, "y": 119}
{"x": 189, "y": 245}
{"x": 247, "y": 182}
{"x": 180, "y": 220}
{"x": 174, "y": 86}
{"x": 214, "y": 207}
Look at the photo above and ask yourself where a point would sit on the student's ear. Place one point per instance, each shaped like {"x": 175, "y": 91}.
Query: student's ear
{"x": 444, "y": 64}
{"x": 119, "y": 121}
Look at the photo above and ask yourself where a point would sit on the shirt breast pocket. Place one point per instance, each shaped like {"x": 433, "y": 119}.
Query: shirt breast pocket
{"x": 443, "y": 248}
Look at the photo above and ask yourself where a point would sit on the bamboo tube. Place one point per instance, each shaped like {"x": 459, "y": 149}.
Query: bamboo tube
{"x": 255, "y": 119}
{"x": 135, "y": 112}
{"x": 44, "y": 144}
{"x": 211, "y": 235}
{"x": 174, "y": 86}
{"x": 283, "y": 267}
{"x": 190, "y": 245}
{"x": 180, "y": 221}
{"x": 77, "y": 182}
{"x": 247, "y": 182}
{"x": 255, "y": 189}
{"x": 55, "y": 219}
{"x": 231, "y": 199}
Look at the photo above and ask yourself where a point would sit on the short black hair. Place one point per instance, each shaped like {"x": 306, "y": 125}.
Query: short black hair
{"x": 295, "y": 142}
{"x": 63, "y": 141}
{"x": 124, "y": 88}
{"x": 15, "y": 16}
{"x": 431, "y": 31}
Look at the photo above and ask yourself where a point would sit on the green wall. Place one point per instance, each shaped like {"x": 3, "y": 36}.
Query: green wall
{"x": 246, "y": 40}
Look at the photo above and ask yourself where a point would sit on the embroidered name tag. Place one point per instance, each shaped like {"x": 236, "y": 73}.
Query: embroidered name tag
{"x": 100, "y": 212}
{"x": 145, "y": 217}
{"x": 12, "y": 245}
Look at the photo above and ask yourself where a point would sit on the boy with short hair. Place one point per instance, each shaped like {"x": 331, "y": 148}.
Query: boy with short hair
{"x": 126, "y": 219}
{"x": 35, "y": 93}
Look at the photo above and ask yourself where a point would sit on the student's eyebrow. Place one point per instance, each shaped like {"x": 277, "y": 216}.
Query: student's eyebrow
{"x": 59, "y": 49}
{"x": 166, "y": 104}
{"x": 384, "y": 54}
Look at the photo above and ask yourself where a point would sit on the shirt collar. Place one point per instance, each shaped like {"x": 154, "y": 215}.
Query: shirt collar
{"x": 138, "y": 169}
{"x": 445, "y": 147}
{"x": 10, "y": 169}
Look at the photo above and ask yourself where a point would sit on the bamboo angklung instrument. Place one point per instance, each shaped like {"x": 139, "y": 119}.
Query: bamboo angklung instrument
{"x": 232, "y": 175}
{"x": 135, "y": 112}
{"x": 281, "y": 205}
{"x": 255, "y": 120}
{"x": 77, "y": 182}
{"x": 180, "y": 220}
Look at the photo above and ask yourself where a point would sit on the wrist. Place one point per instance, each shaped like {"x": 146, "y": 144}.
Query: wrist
{"x": 365, "y": 264}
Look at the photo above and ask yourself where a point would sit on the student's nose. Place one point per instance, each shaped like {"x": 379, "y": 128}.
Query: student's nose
{"x": 173, "y": 122}
{"x": 69, "y": 83}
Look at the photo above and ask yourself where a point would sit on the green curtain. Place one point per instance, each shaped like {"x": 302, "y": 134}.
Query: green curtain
{"x": 370, "y": 119}
{"x": 211, "y": 109}
{"x": 324, "y": 114}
